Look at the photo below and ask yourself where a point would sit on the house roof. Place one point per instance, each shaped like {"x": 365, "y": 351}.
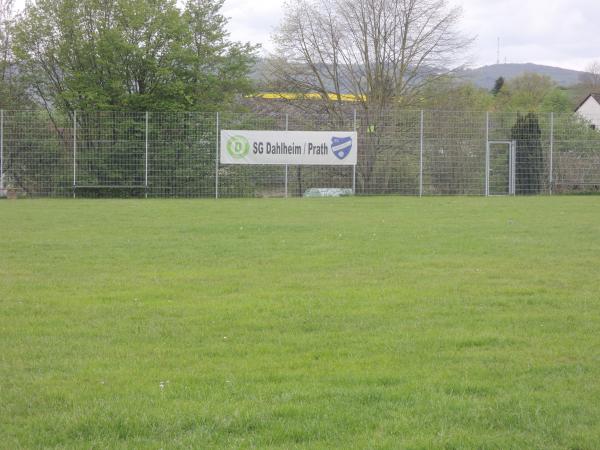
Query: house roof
{"x": 594, "y": 95}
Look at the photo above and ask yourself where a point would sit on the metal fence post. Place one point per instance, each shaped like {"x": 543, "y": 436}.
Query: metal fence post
{"x": 421, "y": 154}
{"x": 487, "y": 154}
{"x": 1, "y": 150}
{"x": 550, "y": 175}
{"x": 286, "y": 166}
{"x": 354, "y": 166}
{"x": 217, "y": 160}
{"x": 146, "y": 160}
{"x": 74, "y": 153}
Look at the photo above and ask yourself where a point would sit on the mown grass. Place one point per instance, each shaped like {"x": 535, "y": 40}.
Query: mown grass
{"x": 325, "y": 323}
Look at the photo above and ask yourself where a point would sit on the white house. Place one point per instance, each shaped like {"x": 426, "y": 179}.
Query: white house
{"x": 589, "y": 109}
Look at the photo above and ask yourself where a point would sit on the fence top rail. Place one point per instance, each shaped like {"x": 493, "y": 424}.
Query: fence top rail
{"x": 283, "y": 114}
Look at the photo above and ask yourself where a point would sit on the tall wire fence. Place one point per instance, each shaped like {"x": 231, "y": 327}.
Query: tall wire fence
{"x": 166, "y": 154}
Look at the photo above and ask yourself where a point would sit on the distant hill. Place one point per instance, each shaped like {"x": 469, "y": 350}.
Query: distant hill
{"x": 486, "y": 76}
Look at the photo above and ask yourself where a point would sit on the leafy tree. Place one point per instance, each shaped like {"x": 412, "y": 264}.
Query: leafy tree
{"x": 219, "y": 69}
{"x": 449, "y": 94}
{"x": 131, "y": 55}
{"x": 557, "y": 100}
{"x": 529, "y": 157}
{"x": 524, "y": 93}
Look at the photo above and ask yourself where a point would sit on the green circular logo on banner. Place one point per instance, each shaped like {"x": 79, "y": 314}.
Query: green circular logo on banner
{"x": 238, "y": 146}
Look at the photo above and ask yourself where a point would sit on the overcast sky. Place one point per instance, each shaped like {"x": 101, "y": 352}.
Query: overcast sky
{"x": 563, "y": 33}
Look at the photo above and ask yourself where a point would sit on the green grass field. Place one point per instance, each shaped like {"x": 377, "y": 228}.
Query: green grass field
{"x": 325, "y": 323}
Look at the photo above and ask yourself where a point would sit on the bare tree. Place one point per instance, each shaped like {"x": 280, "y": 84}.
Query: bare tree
{"x": 591, "y": 78}
{"x": 383, "y": 52}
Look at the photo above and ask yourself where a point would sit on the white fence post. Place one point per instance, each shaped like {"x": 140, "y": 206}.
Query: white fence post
{"x": 550, "y": 175}
{"x": 217, "y": 160}
{"x": 146, "y": 160}
{"x": 286, "y": 166}
{"x": 421, "y": 154}
{"x": 354, "y": 166}
{"x": 487, "y": 154}
{"x": 74, "y": 153}
{"x": 1, "y": 150}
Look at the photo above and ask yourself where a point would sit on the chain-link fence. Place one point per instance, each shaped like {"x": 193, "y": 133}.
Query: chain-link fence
{"x": 118, "y": 154}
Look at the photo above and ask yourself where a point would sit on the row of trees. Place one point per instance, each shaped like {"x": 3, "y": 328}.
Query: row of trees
{"x": 529, "y": 92}
{"x": 137, "y": 55}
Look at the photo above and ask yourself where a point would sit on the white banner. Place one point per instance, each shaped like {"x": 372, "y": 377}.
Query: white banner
{"x": 327, "y": 148}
